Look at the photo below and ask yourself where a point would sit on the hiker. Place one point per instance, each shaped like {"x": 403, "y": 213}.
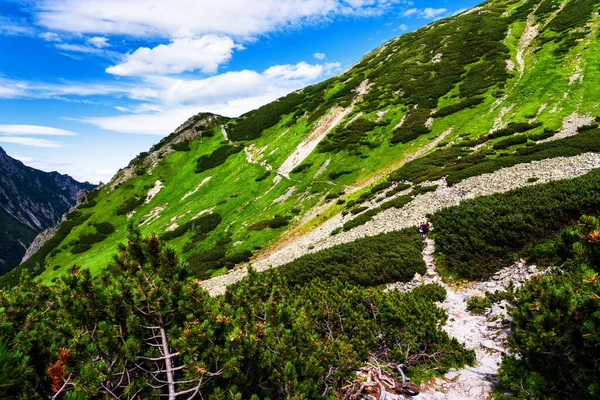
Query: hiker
{"x": 426, "y": 229}
{"x": 421, "y": 229}
{"x": 462, "y": 194}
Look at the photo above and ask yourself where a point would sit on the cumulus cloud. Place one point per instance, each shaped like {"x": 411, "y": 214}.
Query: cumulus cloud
{"x": 34, "y": 130}
{"x": 205, "y": 54}
{"x": 231, "y": 94}
{"x": 301, "y": 70}
{"x": 403, "y": 27}
{"x": 319, "y": 56}
{"x": 98, "y": 41}
{"x": 189, "y": 18}
{"x": 32, "y": 142}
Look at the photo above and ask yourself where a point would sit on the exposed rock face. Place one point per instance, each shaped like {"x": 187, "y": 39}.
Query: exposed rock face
{"x": 191, "y": 129}
{"x": 38, "y": 242}
{"x": 31, "y": 200}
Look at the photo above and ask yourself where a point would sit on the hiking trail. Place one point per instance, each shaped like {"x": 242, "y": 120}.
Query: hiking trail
{"x": 414, "y": 212}
{"x": 475, "y": 333}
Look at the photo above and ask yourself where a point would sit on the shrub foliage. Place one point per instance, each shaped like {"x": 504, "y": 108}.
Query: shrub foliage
{"x": 555, "y": 336}
{"x": 368, "y": 261}
{"x": 216, "y": 158}
{"x": 483, "y": 235}
{"x": 151, "y": 329}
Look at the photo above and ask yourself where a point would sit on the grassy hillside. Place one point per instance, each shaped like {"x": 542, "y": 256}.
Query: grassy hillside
{"x": 465, "y": 92}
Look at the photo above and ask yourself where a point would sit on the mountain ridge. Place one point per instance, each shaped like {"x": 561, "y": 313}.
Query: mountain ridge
{"x": 31, "y": 201}
{"x": 463, "y": 96}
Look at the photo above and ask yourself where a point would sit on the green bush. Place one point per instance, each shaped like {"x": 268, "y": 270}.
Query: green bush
{"x": 483, "y": 235}
{"x": 454, "y": 108}
{"x": 273, "y": 223}
{"x": 514, "y": 127}
{"x": 181, "y": 146}
{"x": 264, "y": 337}
{"x": 81, "y": 248}
{"x": 349, "y": 137}
{"x": 369, "y": 261}
{"x": 87, "y": 204}
{"x": 302, "y": 168}
{"x": 554, "y": 339}
{"x": 263, "y": 176}
{"x": 380, "y": 187}
{"x": 92, "y": 238}
{"x": 216, "y": 158}
{"x": 398, "y": 202}
{"x": 358, "y": 210}
{"x": 457, "y": 163}
{"x": 200, "y": 226}
{"x": 478, "y": 304}
{"x": 251, "y": 125}
{"x": 361, "y": 219}
{"x": 336, "y": 174}
{"x": 105, "y": 228}
{"x": 400, "y": 187}
{"x": 236, "y": 258}
{"x": 431, "y": 292}
{"x": 508, "y": 142}
{"x": 130, "y": 204}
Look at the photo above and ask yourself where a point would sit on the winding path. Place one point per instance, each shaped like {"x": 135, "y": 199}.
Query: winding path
{"x": 475, "y": 332}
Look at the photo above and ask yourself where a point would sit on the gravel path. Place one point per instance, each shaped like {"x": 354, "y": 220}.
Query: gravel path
{"x": 484, "y": 334}
{"x": 414, "y": 212}
{"x": 476, "y": 382}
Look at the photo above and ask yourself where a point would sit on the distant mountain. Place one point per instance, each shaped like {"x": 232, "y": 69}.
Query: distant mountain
{"x": 30, "y": 201}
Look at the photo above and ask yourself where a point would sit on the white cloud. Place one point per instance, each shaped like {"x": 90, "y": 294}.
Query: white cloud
{"x": 87, "y": 49}
{"x": 14, "y": 27}
{"x": 320, "y": 56}
{"x": 431, "y": 13}
{"x": 403, "y": 27}
{"x": 50, "y": 37}
{"x": 231, "y": 94}
{"x": 191, "y": 18}
{"x": 427, "y": 13}
{"x": 8, "y": 92}
{"x": 44, "y": 165}
{"x": 98, "y": 41}
{"x": 204, "y": 54}
{"x": 409, "y": 12}
{"x": 34, "y": 130}
{"x": 301, "y": 70}
{"x": 32, "y": 142}
{"x": 65, "y": 90}
{"x": 92, "y": 173}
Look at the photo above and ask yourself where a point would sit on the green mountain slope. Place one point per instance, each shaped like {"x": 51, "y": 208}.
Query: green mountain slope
{"x": 468, "y": 95}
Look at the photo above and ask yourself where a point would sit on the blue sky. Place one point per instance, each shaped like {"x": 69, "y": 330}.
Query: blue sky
{"x": 87, "y": 85}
